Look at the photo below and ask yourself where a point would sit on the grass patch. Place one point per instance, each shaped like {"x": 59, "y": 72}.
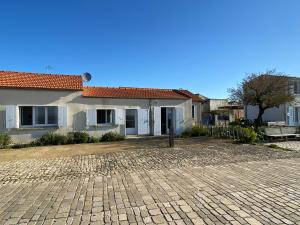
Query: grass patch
{"x": 274, "y": 146}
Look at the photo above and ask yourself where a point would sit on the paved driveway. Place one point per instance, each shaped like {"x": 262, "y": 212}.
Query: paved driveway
{"x": 200, "y": 184}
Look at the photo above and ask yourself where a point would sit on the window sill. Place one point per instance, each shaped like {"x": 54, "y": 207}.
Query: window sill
{"x": 105, "y": 125}
{"x": 38, "y": 128}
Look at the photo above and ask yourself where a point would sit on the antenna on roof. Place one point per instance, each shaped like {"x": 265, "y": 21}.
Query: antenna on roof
{"x": 86, "y": 77}
{"x": 48, "y": 68}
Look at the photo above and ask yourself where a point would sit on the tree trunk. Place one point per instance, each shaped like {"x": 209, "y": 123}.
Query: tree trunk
{"x": 259, "y": 116}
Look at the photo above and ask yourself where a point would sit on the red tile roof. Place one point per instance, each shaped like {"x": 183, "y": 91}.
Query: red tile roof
{"x": 132, "y": 93}
{"x": 24, "y": 80}
{"x": 194, "y": 97}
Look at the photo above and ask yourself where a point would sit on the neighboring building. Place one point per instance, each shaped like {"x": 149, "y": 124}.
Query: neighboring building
{"x": 197, "y": 101}
{"x": 288, "y": 114}
{"x": 33, "y": 104}
{"x": 220, "y": 112}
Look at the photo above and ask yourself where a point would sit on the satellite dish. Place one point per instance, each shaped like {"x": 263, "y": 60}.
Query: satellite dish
{"x": 86, "y": 77}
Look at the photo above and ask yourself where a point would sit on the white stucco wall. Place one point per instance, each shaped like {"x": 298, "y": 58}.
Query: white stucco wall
{"x": 270, "y": 115}
{"x": 77, "y": 107}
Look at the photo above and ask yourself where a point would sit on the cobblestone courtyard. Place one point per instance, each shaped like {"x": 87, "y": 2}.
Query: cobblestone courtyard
{"x": 209, "y": 183}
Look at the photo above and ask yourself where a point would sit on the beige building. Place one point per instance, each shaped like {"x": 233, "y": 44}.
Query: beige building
{"x": 34, "y": 104}
{"x": 219, "y": 112}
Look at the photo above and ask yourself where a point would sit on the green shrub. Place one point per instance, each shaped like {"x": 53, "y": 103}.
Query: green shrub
{"x": 249, "y": 135}
{"x": 186, "y": 134}
{"x": 78, "y": 137}
{"x": 5, "y": 140}
{"x": 52, "y": 139}
{"x": 28, "y": 145}
{"x": 112, "y": 136}
{"x": 198, "y": 131}
{"x": 93, "y": 139}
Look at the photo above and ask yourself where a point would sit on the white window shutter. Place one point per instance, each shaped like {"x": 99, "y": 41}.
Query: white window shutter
{"x": 143, "y": 121}
{"x": 12, "y": 116}
{"x": 179, "y": 120}
{"x": 157, "y": 120}
{"x": 291, "y": 121}
{"x": 62, "y": 116}
{"x": 119, "y": 116}
{"x": 195, "y": 112}
{"x": 91, "y": 117}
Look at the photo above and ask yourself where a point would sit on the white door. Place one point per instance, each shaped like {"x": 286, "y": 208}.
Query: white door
{"x": 157, "y": 121}
{"x": 131, "y": 121}
{"x": 179, "y": 120}
{"x": 143, "y": 121}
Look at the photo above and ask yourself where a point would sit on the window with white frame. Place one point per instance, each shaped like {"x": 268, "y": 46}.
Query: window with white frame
{"x": 105, "y": 116}
{"x": 38, "y": 115}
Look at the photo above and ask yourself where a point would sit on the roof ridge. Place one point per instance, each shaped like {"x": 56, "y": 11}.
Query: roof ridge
{"x": 39, "y": 74}
{"x": 131, "y": 88}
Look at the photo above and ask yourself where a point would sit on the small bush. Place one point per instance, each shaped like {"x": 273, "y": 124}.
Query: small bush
{"x": 249, "y": 136}
{"x": 112, "y": 136}
{"x": 186, "y": 134}
{"x": 52, "y": 139}
{"x": 198, "y": 131}
{"x": 5, "y": 140}
{"x": 28, "y": 145}
{"x": 93, "y": 139}
{"x": 77, "y": 137}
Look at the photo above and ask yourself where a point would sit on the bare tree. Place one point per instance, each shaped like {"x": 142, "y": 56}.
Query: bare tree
{"x": 265, "y": 90}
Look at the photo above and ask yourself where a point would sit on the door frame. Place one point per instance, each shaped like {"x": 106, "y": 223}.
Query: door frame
{"x": 168, "y": 109}
{"x": 132, "y": 131}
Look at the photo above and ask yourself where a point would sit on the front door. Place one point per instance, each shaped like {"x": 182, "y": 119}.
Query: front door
{"x": 166, "y": 120}
{"x": 131, "y": 121}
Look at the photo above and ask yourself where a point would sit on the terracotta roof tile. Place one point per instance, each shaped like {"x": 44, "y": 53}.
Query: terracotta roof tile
{"x": 10, "y": 79}
{"x": 194, "y": 97}
{"x": 132, "y": 93}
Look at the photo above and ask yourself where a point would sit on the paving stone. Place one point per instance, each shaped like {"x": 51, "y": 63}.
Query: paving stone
{"x": 158, "y": 219}
{"x": 190, "y": 185}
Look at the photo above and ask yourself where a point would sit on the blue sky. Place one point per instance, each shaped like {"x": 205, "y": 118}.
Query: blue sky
{"x": 205, "y": 46}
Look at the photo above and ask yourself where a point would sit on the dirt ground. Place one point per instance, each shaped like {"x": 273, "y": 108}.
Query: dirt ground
{"x": 90, "y": 149}
{"x": 48, "y": 152}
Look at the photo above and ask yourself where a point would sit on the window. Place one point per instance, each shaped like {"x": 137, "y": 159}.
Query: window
{"x": 38, "y": 115}
{"x": 296, "y": 87}
{"x": 52, "y": 115}
{"x": 223, "y": 117}
{"x": 296, "y": 115}
{"x": 26, "y": 115}
{"x": 193, "y": 111}
{"x": 104, "y": 116}
{"x": 130, "y": 118}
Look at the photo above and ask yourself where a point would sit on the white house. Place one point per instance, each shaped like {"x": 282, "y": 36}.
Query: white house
{"x": 33, "y": 104}
{"x": 288, "y": 113}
